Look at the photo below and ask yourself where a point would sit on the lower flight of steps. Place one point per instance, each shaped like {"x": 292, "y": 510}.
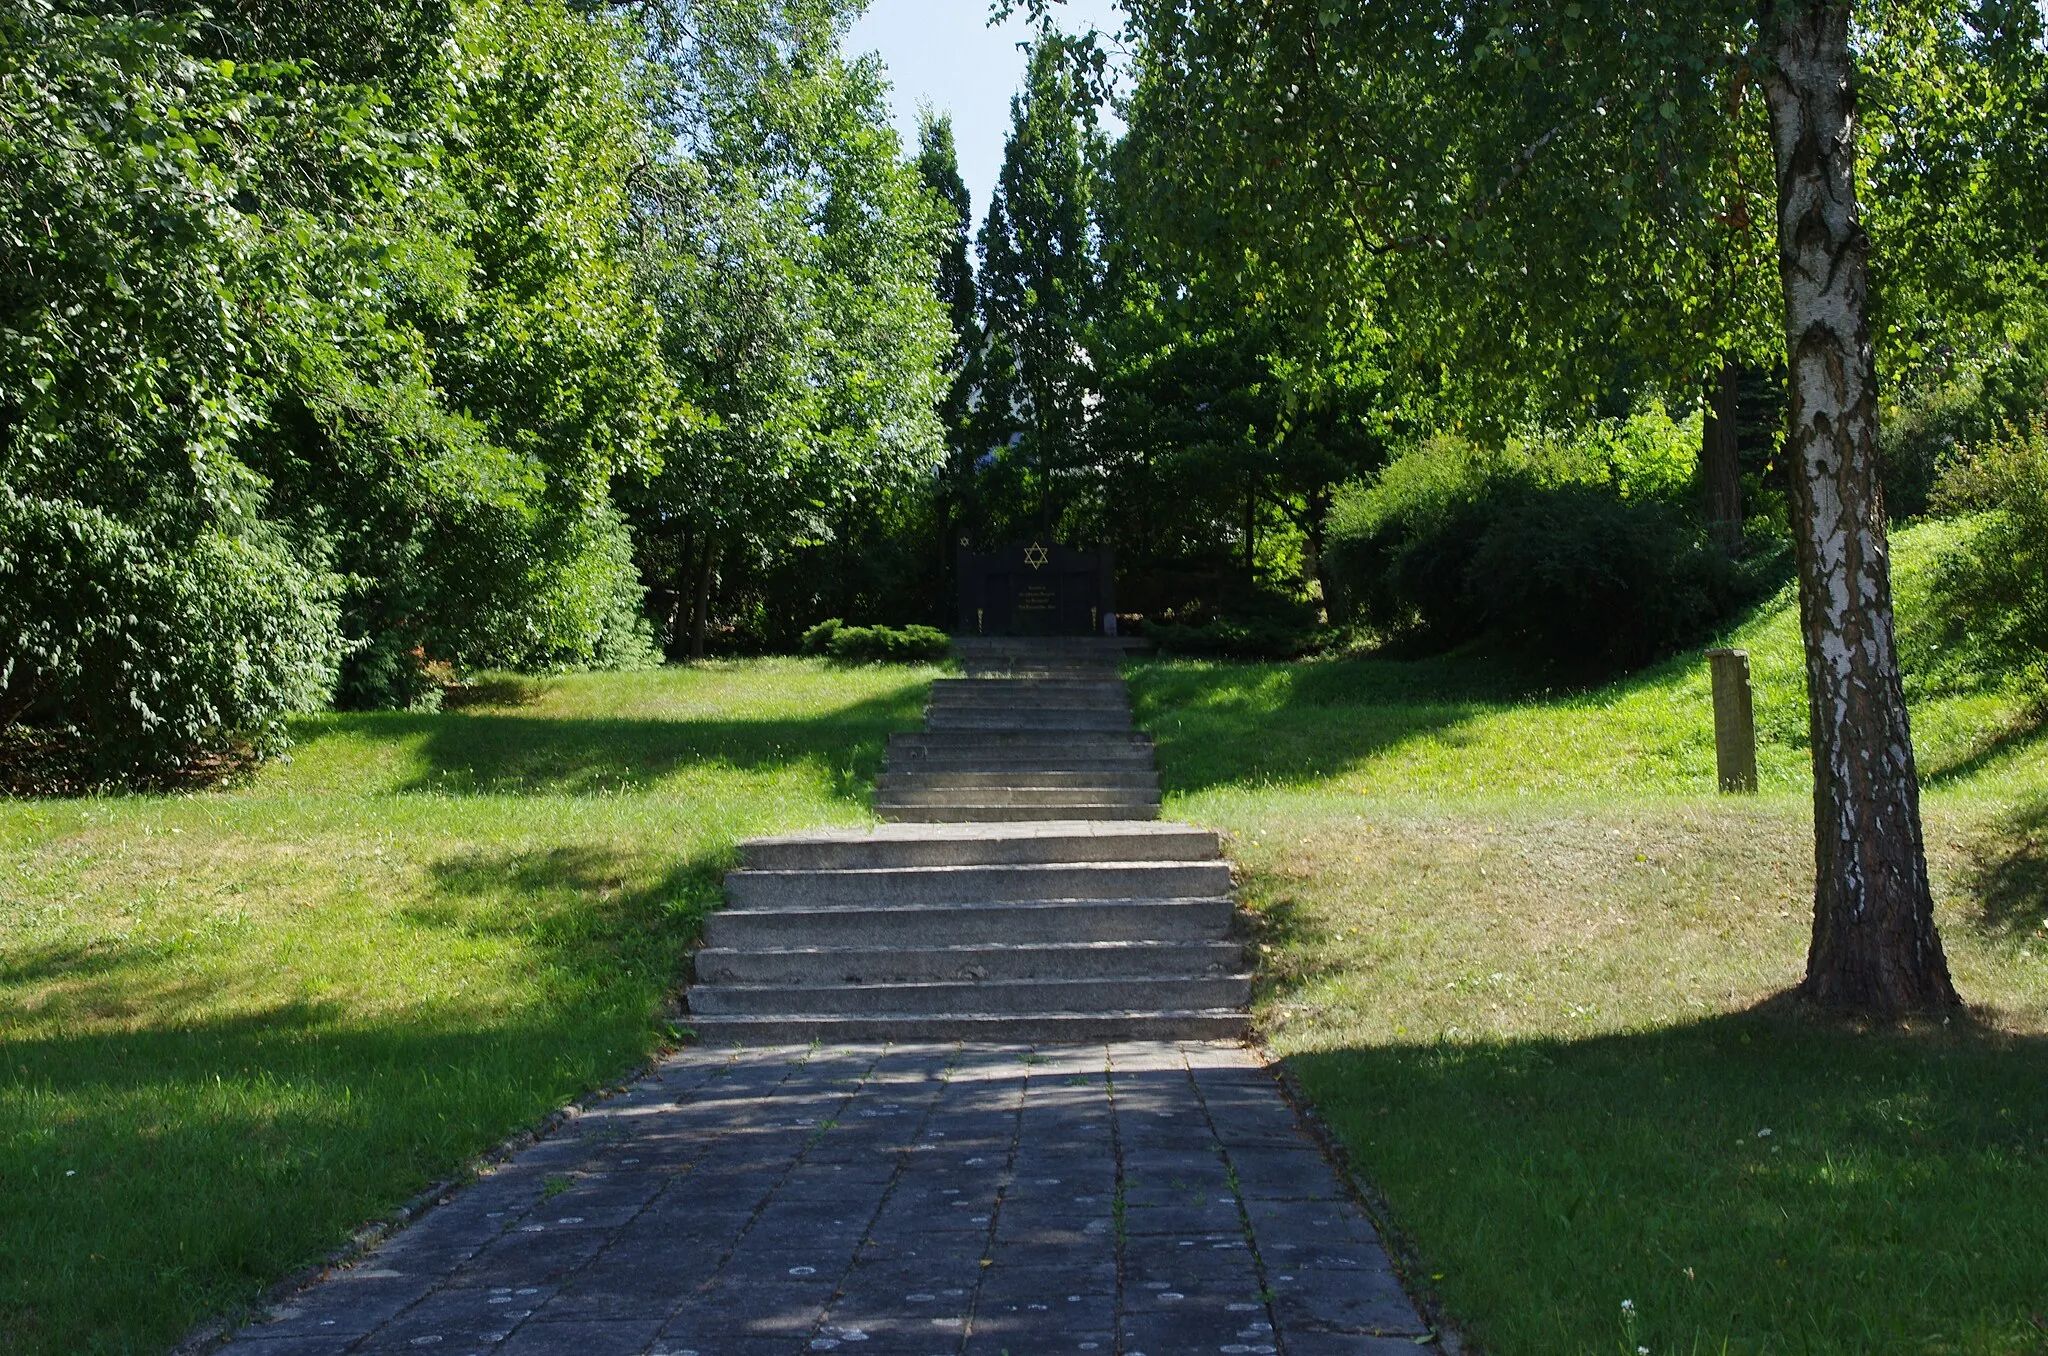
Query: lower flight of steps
{"x": 1040, "y": 729}
{"x": 1048, "y": 931}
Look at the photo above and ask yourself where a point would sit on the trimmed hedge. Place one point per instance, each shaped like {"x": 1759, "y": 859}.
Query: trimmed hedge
{"x": 876, "y": 644}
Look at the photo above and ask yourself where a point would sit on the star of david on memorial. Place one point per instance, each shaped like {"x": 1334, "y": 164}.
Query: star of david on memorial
{"x": 1035, "y": 556}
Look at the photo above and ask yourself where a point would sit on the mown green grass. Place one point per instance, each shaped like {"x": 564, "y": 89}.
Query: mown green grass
{"x": 1533, "y": 969}
{"x": 235, "y": 1025}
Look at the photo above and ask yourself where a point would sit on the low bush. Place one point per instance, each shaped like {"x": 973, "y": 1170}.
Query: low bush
{"x": 1260, "y": 625}
{"x": 1585, "y": 552}
{"x": 135, "y": 655}
{"x": 818, "y": 640}
{"x": 886, "y": 644}
{"x": 1990, "y": 579}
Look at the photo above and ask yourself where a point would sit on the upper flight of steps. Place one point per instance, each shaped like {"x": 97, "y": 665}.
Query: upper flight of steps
{"x": 1043, "y": 913}
{"x": 1039, "y": 729}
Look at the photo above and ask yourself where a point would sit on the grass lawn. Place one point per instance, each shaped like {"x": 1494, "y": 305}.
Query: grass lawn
{"x": 235, "y": 1025}
{"x": 1531, "y": 968}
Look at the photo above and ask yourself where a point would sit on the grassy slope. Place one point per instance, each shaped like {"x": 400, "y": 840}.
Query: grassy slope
{"x": 1530, "y": 966}
{"x": 235, "y": 1025}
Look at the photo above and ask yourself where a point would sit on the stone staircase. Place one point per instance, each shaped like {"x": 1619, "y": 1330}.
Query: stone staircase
{"x": 1022, "y": 893}
{"x": 1040, "y": 729}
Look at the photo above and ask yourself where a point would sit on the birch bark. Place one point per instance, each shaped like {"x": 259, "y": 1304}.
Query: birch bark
{"x": 1874, "y": 946}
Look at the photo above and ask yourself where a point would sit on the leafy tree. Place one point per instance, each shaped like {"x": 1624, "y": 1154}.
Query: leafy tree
{"x": 479, "y": 368}
{"x": 1041, "y": 279}
{"x": 146, "y": 613}
{"x": 938, "y": 167}
{"x": 317, "y": 353}
{"x": 789, "y": 252}
{"x": 1543, "y": 188}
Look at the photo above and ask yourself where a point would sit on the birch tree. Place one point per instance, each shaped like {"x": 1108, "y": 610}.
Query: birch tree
{"x": 1535, "y": 189}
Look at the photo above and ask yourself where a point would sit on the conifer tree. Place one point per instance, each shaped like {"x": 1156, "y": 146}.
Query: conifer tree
{"x": 1041, "y": 278}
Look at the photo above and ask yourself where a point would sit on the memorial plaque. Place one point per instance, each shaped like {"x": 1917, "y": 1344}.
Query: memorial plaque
{"x": 1037, "y": 588}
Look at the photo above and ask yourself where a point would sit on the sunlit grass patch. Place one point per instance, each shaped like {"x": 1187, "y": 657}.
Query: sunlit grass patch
{"x": 236, "y": 1025}
{"x": 1532, "y": 968}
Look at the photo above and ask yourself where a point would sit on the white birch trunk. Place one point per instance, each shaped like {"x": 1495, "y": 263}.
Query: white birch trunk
{"x": 1874, "y": 947}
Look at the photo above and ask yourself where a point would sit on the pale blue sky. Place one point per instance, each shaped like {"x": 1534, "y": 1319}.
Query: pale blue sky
{"x": 944, "y": 52}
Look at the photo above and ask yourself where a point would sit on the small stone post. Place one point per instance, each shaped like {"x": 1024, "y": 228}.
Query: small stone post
{"x": 1734, "y": 720}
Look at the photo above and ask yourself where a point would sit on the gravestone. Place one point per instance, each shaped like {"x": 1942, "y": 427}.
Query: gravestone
{"x": 1037, "y": 588}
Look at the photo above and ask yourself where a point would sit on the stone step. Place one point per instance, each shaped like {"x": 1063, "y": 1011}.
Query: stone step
{"x": 1128, "y": 761}
{"x": 1074, "y": 841}
{"x": 999, "y": 757}
{"x": 1088, "y": 685}
{"x": 1064, "y": 718}
{"x": 1016, "y": 924}
{"x": 1102, "y": 644}
{"x": 1045, "y": 701}
{"x": 913, "y": 794}
{"x": 1146, "y": 780}
{"x": 1003, "y": 995}
{"x": 857, "y": 887}
{"x": 986, "y": 740}
{"x": 1042, "y": 1028}
{"x": 969, "y": 813}
{"x": 976, "y": 963}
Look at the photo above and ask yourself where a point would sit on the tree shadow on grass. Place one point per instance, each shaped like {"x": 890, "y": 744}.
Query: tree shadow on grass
{"x": 2007, "y": 872}
{"x": 155, "y": 1178}
{"x": 1247, "y": 724}
{"x": 163, "y": 1161}
{"x": 473, "y": 753}
{"x": 598, "y": 914}
{"x": 1975, "y": 757}
{"x": 1740, "y": 1180}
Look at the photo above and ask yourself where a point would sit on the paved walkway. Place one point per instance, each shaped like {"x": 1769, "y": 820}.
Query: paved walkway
{"x": 924, "y": 1200}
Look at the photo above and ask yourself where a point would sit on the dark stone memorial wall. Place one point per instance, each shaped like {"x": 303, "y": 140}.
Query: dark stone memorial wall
{"x": 1037, "y": 589}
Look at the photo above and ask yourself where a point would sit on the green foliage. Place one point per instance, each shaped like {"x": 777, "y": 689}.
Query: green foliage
{"x": 325, "y": 305}
{"x": 148, "y": 617}
{"x": 141, "y": 655}
{"x": 1971, "y": 404}
{"x": 886, "y": 644}
{"x": 1989, "y": 591}
{"x": 1041, "y": 281}
{"x": 1240, "y": 637}
{"x": 1578, "y": 548}
{"x": 789, "y": 252}
{"x": 818, "y": 639}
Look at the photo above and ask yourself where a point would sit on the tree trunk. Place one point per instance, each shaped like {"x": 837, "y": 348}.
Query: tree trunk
{"x": 1874, "y": 947}
{"x": 1721, "y": 465}
{"x": 700, "y": 618}
{"x": 680, "y": 590}
{"x": 1251, "y": 540}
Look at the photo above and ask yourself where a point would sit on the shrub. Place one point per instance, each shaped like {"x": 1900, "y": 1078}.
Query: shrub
{"x": 1259, "y": 625}
{"x": 818, "y": 640}
{"x": 1582, "y": 577}
{"x": 1584, "y": 550}
{"x": 886, "y": 644}
{"x": 143, "y": 654}
{"x": 1990, "y": 580}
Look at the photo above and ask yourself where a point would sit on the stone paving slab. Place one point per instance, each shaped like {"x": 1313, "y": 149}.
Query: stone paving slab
{"x": 1145, "y": 1197}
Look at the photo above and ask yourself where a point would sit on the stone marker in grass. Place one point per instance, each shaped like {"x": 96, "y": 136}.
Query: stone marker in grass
{"x": 1734, "y": 720}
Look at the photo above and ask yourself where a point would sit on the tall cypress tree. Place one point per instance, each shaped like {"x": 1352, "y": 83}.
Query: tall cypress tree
{"x": 938, "y": 166}
{"x": 1041, "y": 276}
